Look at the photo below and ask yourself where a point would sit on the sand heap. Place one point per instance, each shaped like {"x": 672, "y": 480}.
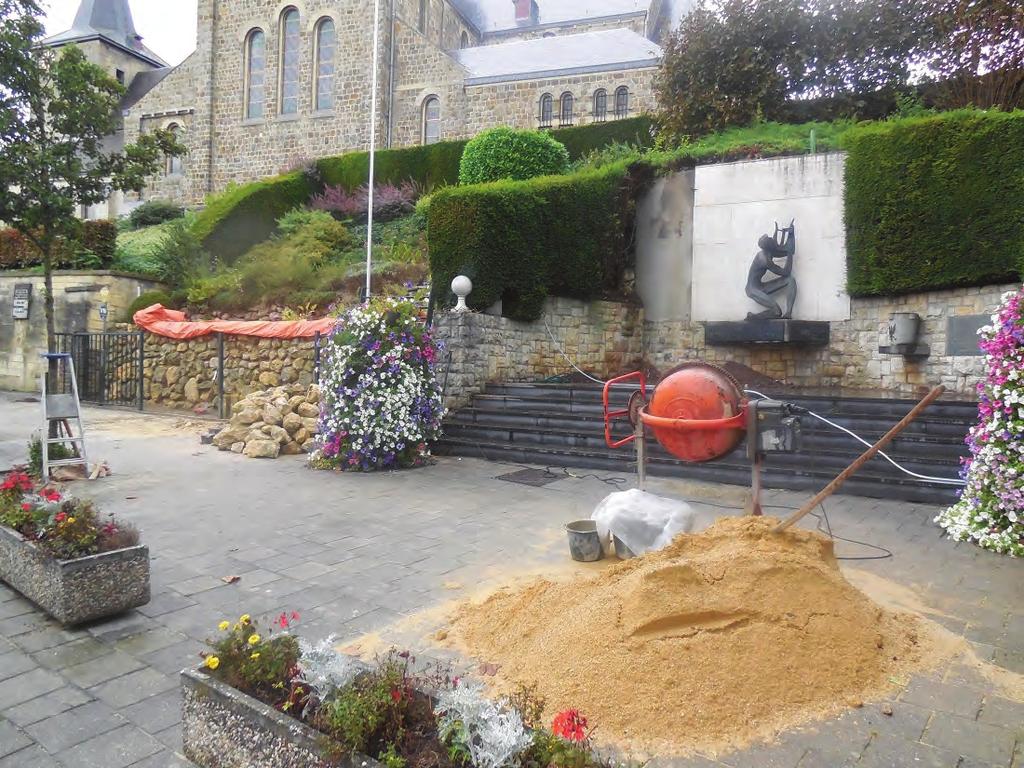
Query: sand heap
{"x": 725, "y": 636}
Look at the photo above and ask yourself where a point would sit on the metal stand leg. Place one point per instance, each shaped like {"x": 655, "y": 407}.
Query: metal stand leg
{"x": 641, "y": 456}
{"x": 756, "y": 484}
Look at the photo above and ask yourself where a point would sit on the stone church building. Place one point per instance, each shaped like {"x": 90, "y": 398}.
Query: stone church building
{"x": 274, "y": 83}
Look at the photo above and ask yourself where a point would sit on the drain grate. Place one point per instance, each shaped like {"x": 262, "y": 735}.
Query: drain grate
{"x": 536, "y": 478}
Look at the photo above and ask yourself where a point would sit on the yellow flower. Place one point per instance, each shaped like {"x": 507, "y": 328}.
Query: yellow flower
{"x": 223, "y": 625}
{"x": 212, "y": 662}
{"x": 71, "y": 520}
{"x": 255, "y": 655}
{"x": 253, "y": 639}
{"x": 245, "y": 618}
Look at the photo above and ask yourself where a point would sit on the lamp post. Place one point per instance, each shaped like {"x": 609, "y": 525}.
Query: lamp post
{"x": 373, "y": 146}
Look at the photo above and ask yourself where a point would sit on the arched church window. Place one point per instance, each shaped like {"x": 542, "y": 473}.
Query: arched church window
{"x": 621, "y": 101}
{"x": 600, "y": 105}
{"x": 566, "y": 111}
{"x": 431, "y": 120}
{"x": 326, "y": 41}
{"x": 464, "y": 39}
{"x": 289, "y": 69}
{"x": 255, "y": 72}
{"x": 422, "y": 21}
{"x": 547, "y": 104}
{"x": 175, "y": 166}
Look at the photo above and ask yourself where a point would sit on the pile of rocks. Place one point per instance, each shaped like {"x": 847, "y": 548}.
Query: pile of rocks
{"x": 272, "y": 422}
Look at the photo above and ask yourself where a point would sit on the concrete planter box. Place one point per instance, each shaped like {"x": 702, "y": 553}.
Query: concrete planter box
{"x": 221, "y": 727}
{"x": 75, "y": 591}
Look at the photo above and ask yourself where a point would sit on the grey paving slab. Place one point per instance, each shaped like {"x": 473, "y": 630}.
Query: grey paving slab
{"x": 125, "y": 746}
{"x": 99, "y": 670}
{"x": 128, "y": 689}
{"x": 15, "y": 662}
{"x": 47, "y": 705}
{"x": 894, "y": 752}
{"x": 944, "y": 697}
{"x": 970, "y": 738}
{"x": 32, "y": 756}
{"x": 156, "y": 713}
{"x": 12, "y": 738}
{"x": 28, "y": 685}
{"x": 75, "y": 726}
{"x": 999, "y": 711}
{"x": 71, "y": 654}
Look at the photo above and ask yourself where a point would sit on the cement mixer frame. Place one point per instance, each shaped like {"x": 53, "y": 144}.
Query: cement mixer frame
{"x": 705, "y": 416}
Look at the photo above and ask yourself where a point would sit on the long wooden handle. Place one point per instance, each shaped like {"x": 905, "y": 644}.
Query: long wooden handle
{"x": 861, "y": 460}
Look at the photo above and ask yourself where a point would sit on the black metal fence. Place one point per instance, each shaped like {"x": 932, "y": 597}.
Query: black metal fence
{"x": 108, "y": 366}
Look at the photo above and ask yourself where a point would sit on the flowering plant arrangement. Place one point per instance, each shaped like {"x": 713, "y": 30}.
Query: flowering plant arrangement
{"x": 381, "y": 401}
{"x": 990, "y": 511}
{"x": 386, "y": 710}
{"x": 65, "y": 528}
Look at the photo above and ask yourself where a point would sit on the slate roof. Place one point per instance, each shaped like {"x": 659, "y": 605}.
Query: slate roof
{"x": 142, "y": 84}
{"x": 495, "y": 15}
{"x": 603, "y": 51}
{"x": 110, "y": 21}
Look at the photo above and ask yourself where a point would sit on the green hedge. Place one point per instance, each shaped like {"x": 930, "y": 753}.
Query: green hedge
{"x": 242, "y": 216}
{"x": 583, "y": 139}
{"x": 429, "y": 166}
{"x": 934, "y": 202}
{"x": 520, "y": 241}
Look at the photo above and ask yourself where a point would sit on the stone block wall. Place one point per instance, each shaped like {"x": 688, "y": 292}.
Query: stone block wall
{"x": 601, "y": 337}
{"x": 77, "y": 296}
{"x": 852, "y": 359}
{"x": 183, "y": 374}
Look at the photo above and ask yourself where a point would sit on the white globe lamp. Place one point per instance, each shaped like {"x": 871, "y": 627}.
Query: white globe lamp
{"x": 461, "y": 287}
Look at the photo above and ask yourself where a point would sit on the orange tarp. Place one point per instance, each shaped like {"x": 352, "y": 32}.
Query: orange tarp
{"x": 172, "y": 324}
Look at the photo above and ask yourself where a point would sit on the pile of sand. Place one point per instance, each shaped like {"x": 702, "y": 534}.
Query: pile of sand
{"x": 723, "y": 637}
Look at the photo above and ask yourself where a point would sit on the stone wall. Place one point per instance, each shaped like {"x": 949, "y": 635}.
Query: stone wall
{"x": 634, "y": 21}
{"x": 852, "y": 358}
{"x": 601, "y": 337}
{"x": 77, "y": 298}
{"x": 183, "y": 374}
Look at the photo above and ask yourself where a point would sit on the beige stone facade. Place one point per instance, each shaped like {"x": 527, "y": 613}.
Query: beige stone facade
{"x": 419, "y": 58}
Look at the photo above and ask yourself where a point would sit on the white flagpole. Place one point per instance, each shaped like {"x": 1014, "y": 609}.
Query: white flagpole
{"x": 373, "y": 146}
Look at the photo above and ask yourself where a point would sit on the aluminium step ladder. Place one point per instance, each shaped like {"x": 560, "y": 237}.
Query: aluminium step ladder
{"x": 62, "y": 408}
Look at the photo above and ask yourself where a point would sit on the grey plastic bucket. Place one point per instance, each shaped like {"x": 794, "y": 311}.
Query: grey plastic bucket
{"x": 584, "y": 543}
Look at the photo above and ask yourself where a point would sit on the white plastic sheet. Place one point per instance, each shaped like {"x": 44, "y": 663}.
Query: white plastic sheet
{"x": 642, "y": 521}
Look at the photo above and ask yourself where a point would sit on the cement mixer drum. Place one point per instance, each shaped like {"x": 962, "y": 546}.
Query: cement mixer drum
{"x": 697, "y": 413}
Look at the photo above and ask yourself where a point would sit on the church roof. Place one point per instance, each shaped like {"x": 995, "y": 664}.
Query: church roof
{"x": 495, "y": 15}
{"x": 109, "y": 21}
{"x": 604, "y": 51}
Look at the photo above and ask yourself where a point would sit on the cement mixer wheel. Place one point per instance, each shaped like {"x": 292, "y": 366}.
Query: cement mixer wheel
{"x": 636, "y": 402}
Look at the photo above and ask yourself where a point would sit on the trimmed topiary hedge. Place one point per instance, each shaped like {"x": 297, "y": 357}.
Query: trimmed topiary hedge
{"x": 242, "y": 216}
{"x": 429, "y": 166}
{"x": 520, "y": 241}
{"x": 934, "y": 202}
{"x": 581, "y": 140}
{"x": 507, "y": 153}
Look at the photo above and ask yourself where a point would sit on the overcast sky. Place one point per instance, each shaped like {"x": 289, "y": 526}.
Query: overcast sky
{"x": 168, "y": 27}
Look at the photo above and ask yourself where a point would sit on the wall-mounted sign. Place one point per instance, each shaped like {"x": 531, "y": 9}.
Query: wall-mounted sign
{"x": 22, "y": 301}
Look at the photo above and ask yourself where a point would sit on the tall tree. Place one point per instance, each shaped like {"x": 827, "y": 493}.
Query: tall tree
{"x": 56, "y": 112}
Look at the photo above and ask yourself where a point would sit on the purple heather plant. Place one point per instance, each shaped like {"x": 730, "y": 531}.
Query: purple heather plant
{"x": 990, "y": 511}
{"x": 389, "y": 201}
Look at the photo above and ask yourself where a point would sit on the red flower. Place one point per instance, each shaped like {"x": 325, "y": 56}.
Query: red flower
{"x": 50, "y": 495}
{"x": 396, "y": 695}
{"x": 295, "y": 616}
{"x": 60, "y": 517}
{"x": 26, "y": 507}
{"x": 282, "y": 621}
{"x": 570, "y": 725}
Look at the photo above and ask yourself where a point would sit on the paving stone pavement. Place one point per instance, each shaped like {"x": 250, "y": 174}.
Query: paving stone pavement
{"x": 356, "y": 553}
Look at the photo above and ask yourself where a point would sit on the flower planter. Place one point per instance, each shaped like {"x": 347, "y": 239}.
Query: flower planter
{"x": 224, "y": 728}
{"x": 80, "y": 590}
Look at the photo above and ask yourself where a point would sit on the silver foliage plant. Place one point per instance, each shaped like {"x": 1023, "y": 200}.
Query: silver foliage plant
{"x": 323, "y": 670}
{"x": 492, "y": 732}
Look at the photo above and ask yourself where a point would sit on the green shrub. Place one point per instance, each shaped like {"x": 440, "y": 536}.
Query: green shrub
{"x": 429, "y": 166}
{"x": 100, "y": 238}
{"x": 137, "y": 248}
{"x": 581, "y": 140}
{"x": 934, "y": 202}
{"x": 242, "y": 216}
{"x": 154, "y": 212}
{"x": 505, "y": 153}
{"x": 148, "y": 299}
{"x": 179, "y": 256}
{"x": 16, "y": 251}
{"x": 520, "y": 241}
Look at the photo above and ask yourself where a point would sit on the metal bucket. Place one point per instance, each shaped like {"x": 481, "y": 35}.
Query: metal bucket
{"x": 584, "y": 543}
{"x": 621, "y": 550}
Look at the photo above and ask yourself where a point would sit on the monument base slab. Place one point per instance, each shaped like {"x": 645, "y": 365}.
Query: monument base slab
{"x": 808, "y": 333}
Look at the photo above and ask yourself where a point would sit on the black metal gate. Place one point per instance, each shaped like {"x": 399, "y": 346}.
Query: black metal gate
{"x": 108, "y": 366}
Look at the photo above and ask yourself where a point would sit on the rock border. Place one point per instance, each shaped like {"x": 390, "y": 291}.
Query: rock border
{"x": 79, "y": 590}
{"x": 221, "y": 727}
